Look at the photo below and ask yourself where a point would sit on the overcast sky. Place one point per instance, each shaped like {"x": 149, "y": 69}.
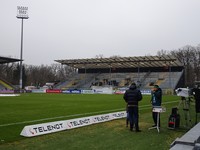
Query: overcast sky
{"x": 72, "y": 29}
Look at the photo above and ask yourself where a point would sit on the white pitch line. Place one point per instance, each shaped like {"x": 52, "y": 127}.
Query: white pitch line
{"x": 75, "y": 115}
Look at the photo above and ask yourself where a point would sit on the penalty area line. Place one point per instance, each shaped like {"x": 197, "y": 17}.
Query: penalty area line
{"x": 76, "y": 115}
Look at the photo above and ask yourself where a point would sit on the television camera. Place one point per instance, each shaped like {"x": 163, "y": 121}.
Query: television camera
{"x": 186, "y": 97}
{"x": 183, "y": 92}
{"x": 188, "y": 94}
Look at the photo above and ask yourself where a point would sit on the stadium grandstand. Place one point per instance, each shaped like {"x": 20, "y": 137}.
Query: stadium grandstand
{"x": 4, "y": 85}
{"x": 4, "y": 60}
{"x": 118, "y": 72}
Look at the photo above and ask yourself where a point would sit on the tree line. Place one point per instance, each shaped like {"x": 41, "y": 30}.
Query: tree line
{"x": 39, "y": 75}
{"x": 35, "y": 75}
{"x": 189, "y": 56}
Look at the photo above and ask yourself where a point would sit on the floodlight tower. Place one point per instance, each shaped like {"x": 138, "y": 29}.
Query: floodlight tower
{"x": 22, "y": 13}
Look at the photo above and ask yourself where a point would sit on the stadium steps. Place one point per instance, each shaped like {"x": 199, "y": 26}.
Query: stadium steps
{"x": 74, "y": 82}
{"x": 2, "y": 87}
{"x": 81, "y": 80}
{"x": 60, "y": 84}
{"x": 122, "y": 83}
{"x": 143, "y": 79}
{"x": 6, "y": 84}
{"x": 71, "y": 84}
{"x": 159, "y": 81}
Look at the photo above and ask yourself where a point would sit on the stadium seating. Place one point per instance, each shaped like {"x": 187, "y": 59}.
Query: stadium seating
{"x": 2, "y": 87}
{"x": 5, "y": 85}
{"x": 146, "y": 80}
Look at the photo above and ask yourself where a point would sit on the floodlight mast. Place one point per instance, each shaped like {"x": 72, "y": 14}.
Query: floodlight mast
{"x": 22, "y": 13}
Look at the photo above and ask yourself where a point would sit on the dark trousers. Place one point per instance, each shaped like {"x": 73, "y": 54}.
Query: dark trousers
{"x": 127, "y": 119}
{"x": 155, "y": 114}
{"x": 133, "y": 117}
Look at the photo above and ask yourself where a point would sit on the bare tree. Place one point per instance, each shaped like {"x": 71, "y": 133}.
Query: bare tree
{"x": 115, "y": 56}
{"x": 99, "y": 56}
{"x": 187, "y": 56}
{"x": 39, "y": 75}
{"x": 196, "y": 63}
{"x": 163, "y": 52}
{"x": 190, "y": 57}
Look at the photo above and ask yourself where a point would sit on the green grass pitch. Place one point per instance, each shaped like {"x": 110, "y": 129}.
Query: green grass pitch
{"x": 27, "y": 109}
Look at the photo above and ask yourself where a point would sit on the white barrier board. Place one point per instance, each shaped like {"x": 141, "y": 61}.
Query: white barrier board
{"x": 9, "y": 94}
{"x": 45, "y": 128}
{"x": 51, "y": 127}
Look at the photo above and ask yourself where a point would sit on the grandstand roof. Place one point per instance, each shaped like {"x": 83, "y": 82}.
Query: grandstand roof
{"x": 123, "y": 62}
{"x": 4, "y": 60}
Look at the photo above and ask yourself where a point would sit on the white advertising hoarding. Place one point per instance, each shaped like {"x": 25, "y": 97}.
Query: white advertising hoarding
{"x": 51, "y": 127}
{"x": 45, "y": 128}
{"x": 102, "y": 90}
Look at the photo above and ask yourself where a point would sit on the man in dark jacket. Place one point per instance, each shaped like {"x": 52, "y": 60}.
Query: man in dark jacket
{"x": 132, "y": 96}
{"x": 156, "y": 100}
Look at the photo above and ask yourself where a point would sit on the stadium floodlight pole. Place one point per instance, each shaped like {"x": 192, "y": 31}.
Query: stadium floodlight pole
{"x": 22, "y": 13}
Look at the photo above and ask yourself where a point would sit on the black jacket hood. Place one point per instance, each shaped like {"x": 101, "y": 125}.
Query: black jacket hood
{"x": 132, "y": 87}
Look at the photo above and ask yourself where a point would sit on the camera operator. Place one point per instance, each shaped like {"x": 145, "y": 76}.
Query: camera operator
{"x": 132, "y": 96}
{"x": 156, "y": 100}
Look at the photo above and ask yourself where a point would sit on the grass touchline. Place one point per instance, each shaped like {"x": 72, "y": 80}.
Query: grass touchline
{"x": 75, "y": 115}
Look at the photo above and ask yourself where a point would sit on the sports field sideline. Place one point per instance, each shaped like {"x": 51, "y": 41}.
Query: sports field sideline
{"x": 28, "y": 109}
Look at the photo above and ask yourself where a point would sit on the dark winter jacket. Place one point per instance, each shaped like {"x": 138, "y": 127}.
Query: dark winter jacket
{"x": 156, "y": 97}
{"x": 132, "y": 96}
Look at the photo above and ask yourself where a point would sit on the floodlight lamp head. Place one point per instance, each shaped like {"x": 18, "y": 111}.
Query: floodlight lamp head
{"x": 22, "y": 12}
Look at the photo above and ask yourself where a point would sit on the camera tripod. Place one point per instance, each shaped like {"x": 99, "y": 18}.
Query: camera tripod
{"x": 185, "y": 102}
